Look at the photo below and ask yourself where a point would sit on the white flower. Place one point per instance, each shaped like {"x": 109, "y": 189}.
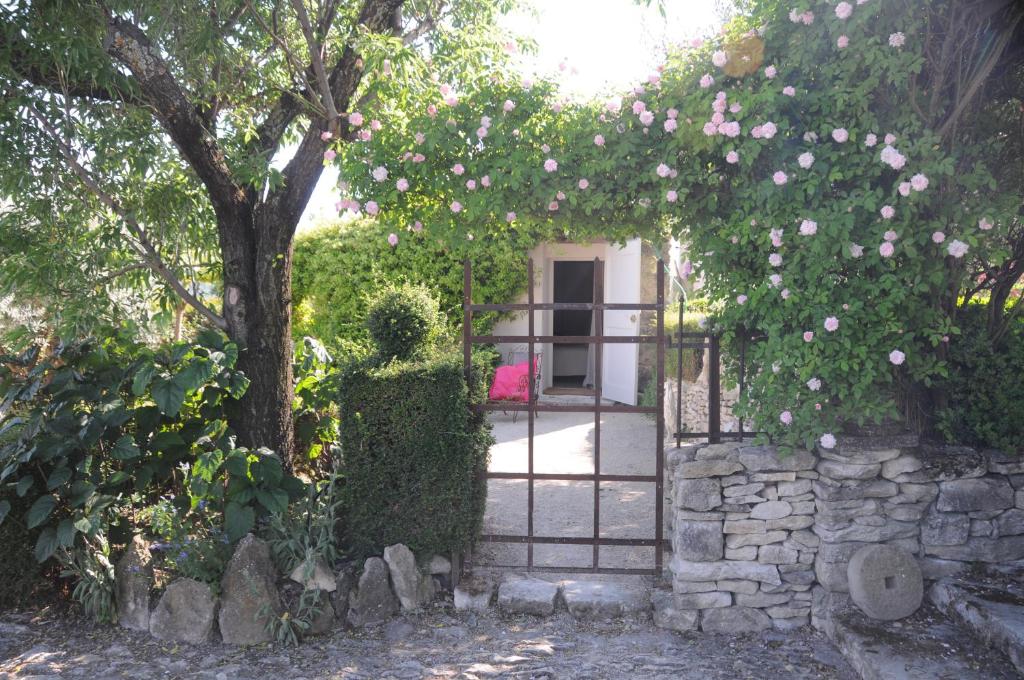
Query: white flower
{"x": 380, "y": 173}
{"x": 806, "y": 159}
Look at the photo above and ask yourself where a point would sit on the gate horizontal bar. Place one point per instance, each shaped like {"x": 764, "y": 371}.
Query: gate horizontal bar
{"x": 568, "y": 540}
{"x": 569, "y": 339}
{"x": 572, "y": 477}
{"x": 561, "y": 408}
{"x": 580, "y": 570}
{"x": 561, "y": 306}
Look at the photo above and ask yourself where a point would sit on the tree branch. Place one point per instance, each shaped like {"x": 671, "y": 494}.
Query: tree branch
{"x": 146, "y": 248}
{"x": 316, "y": 59}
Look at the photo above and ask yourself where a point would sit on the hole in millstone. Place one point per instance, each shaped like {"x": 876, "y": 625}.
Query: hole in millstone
{"x": 890, "y": 582}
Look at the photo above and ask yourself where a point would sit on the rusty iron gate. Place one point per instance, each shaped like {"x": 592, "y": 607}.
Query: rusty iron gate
{"x": 532, "y": 408}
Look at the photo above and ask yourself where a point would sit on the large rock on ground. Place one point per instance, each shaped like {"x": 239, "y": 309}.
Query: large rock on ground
{"x": 406, "y": 579}
{"x": 605, "y": 599}
{"x": 735, "y": 620}
{"x": 249, "y": 594}
{"x": 474, "y": 594}
{"x": 133, "y": 579}
{"x": 528, "y": 596}
{"x": 185, "y": 613}
{"x": 315, "y": 576}
{"x": 670, "y": 617}
{"x": 372, "y": 602}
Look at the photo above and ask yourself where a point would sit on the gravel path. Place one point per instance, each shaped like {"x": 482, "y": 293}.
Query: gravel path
{"x": 438, "y": 644}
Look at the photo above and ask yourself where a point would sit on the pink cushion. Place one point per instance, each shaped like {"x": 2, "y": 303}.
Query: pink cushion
{"x": 509, "y": 383}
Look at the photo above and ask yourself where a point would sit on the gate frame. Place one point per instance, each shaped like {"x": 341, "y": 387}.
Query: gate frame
{"x": 532, "y": 408}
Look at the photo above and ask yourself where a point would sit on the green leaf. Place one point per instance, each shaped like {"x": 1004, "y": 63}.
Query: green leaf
{"x": 166, "y": 441}
{"x": 142, "y": 378}
{"x": 66, "y": 533}
{"x": 58, "y": 477}
{"x": 237, "y": 464}
{"x": 24, "y": 484}
{"x": 169, "y": 395}
{"x": 125, "y": 448}
{"x": 46, "y": 544}
{"x": 39, "y": 511}
{"x": 5, "y": 508}
{"x": 275, "y": 500}
{"x": 238, "y": 520}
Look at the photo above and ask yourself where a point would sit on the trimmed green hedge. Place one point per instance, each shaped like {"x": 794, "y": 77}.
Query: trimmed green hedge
{"x": 413, "y": 455}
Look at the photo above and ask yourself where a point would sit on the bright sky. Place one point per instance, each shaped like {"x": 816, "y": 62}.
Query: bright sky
{"x": 605, "y": 46}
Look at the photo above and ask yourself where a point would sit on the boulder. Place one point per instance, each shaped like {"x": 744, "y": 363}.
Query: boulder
{"x": 345, "y": 580}
{"x": 528, "y": 596}
{"x": 248, "y": 594}
{"x": 318, "y": 608}
{"x": 315, "y": 576}
{"x": 967, "y": 495}
{"x": 372, "y": 601}
{"x": 668, "y": 616}
{"x": 406, "y": 578}
{"x": 885, "y": 582}
{"x": 474, "y": 594}
{"x": 735, "y": 620}
{"x": 133, "y": 580}
{"x": 185, "y": 613}
{"x": 603, "y": 600}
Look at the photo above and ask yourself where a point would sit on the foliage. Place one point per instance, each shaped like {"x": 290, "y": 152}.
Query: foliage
{"x": 190, "y": 543}
{"x": 339, "y": 267}
{"x": 97, "y": 428}
{"x": 403, "y": 321}
{"x": 314, "y": 408}
{"x": 91, "y": 566}
{"x": 414, "y": 454}
{"x": 827, "y": 198}
{"x": 23, "y": 581}
{"x": 308, "y": 533}
{"x": 984, "y": 391}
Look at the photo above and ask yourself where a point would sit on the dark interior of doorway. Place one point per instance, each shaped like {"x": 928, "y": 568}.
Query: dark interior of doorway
{"x": 573, "y": 282}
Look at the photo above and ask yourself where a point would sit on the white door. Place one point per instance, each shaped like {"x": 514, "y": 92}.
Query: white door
{"x": 622, "y": 274}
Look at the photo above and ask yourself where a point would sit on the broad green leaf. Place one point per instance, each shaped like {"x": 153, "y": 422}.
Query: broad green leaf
{"x": 125, "y": 448}
{"x": 58, "y": 477}
{"x": 238, "y": 520}
{"x": 169, "y": 396}
{"x": 40, "y": 510}
{"x": 46, "y": 544}
{"x": 142, "y": 378}
{"x": 66, "y": 533}
{"x": 23, "y": 485}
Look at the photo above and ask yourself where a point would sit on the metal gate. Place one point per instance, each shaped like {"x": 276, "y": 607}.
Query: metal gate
{"x": 532, "y": 408}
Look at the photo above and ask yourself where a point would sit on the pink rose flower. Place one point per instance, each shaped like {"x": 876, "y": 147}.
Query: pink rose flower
{"x": 776, "y": 237}
{"x": 719, "y": 58}
{"x": 329, "y": 155}
{"x": 808, "y": 336}
{"x": 418, "y": 158}
{"x": 897, "y": 39}
{"x": 471, "y": 184}
{"x": 431, "y": 110}
{"x": 672, "y": 113}
{"x": 671, "y": 125}
{"x": 770, "y": 72}
{"x": 808, "y": 228}
{"x": 732, "y": 157}
{"x": 827, "y": 441}
{"x": 785, "y": 293}
{"x": 789, "y": 91}
{"x": 325, "y": 136}
{"x": 417, "y": 226}
{"x": 897, "y": 357}
{"x": 646, "y": 117}
{"x": 458, "y": 169}
{"x": 456, "y": 207}
{"x": 583, "y": 183}
{"x": 775, "y": 260}
{"x": 919, "y": 182}
{"x": 671, "y": 196}
{"x": 887, "y": 212}
{"x": 553, "y": 205}
{"x": 639, "y": 107}
{"x": 957, "y": 248}
{"x": 706, "y": 81}
{"x": 984, "y": 224}
{"x": 786, "y": 418}
{"x": 904, "y": 188}
{"x": 775, "y": 280}
{"x": 890, "y": 235}
{"x": 599, "y": 140}
{"x": 780, "y": 178}
{"x": 510, "y": 217}
{"x": 814, "y": 384}
{"x": 938, "y": 237}
{"x": 364, "y": 135}
{"x": 380, "y": 173}
{"x": 840, "y": 135}
{"x": 485, "y": 181}
{"x": 355, "y": 118}
{"x": 741, "y": 299}
{"x": 402, "y": 184}
{"x": 663, "y": 170}
{"x": 560, "y": 196}
{"x": 393, "y": 240}
{"x": 372, "y": 208}
{"x": 842, "y": 42}
{"x": 856, "y": 250}
{"x": 886, "y": 249}
{"x": 844, "y": 10}
{"x": 376, "y": 125}
{"x": 508, "y": 106}
{"x": 805, "y": 160}
{"x": 550, "y": 165}
{"x": 831, "y": 324}
{"x": 871, "y": 139}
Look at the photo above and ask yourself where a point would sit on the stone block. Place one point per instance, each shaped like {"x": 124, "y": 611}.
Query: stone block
{"x": 715, "y": 451}
{"x": 708, "y": 600}
{"x": 803, "y": 507}
{"x": 966, "y": 495}
{"x": 1010, "y": 523}
{"x": 725, "y": 570}
{"x": 686, "y": 587}
{"x": 133, "y": 580}
{"x": 746, "y": 553}
{"x": 791, "y": 523}
{"x": 902, "y": 465}
{"x": 698, "y": 541}
{"x": 1003, "y": 463}
{"x": 528, "y": 596}
{"x": 906, "y": 513}
{"x": 885, "y": 582}
{"x": 770, "y": 493}
{"x": 773, "y": 477}
{"x": 984, "y": 514}
{"x": 1019, "y": 499}
{"x": 791, "y": 612}
{"x": 602, "y": 600}
{"x": 933, "y": 569}
{"x": 762, "y": 600}
{"x": 791, "y": 624}
{"x": 831, "y": 575}
{"x": 733, "y": 516}
{"x": 807, "y": 539}
{"x": 733, "y": 480}
{"x": 804, "y": 577}
{"x": 767, "y": 458}
{"x": 776, "y": 554}
{"x": 920, "y": 493}
{"x": 742, "y": 490}
{"x": 697, "y": 494}
{"x": 735, "y": 620}
{"x": 698, "y": 516}
{"x": 439, "y": 565}
{"x": 707, "y": 468}
{"x": 983, "y": 527}
{"x": 868, "y": 534}
{"x": 794, "y": 488}
{"x": 249, "y": 594}
{"x": 771, "y": 510}
{"x": 738, "y": 586}
{"x": 745, "y": 526}
{"x": 185, "y": 613}
{"x": 405, "y": 576}
{"x": 836, "y": 470}
{"x": 743, "y": 540}
{"x": 372, "y": 602}
{"x": 878, "y": 488}
{"x": 668, "y": 616}
{"x": 839, "y": 552}
{"x": 474, "y": 594}
{"x": 315, "y": 576}
{"x": 978, "y": 549}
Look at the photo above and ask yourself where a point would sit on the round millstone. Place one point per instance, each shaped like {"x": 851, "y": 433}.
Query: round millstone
{"x": 885, "y": 582}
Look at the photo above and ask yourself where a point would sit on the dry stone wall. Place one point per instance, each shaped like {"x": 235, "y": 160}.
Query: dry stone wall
{"x": 760, "y": 539}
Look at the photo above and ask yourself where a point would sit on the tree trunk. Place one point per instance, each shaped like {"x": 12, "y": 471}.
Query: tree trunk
{"x": 257, "y": 308}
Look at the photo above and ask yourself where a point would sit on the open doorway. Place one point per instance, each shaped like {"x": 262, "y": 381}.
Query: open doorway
{"x": 571, "y": 365}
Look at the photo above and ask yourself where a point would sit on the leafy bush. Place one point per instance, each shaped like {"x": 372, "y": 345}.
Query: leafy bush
{"x": 414, "y": 455}
{"x": 99, "y": 428}
{"x": 403, "y": 321}
{"x": 190, "y": 543}
{"x": 339, "y": 266}
{"x": 984, "y": 391}
{"x": 91, "y": 566}
{"x": 315, "y": 409}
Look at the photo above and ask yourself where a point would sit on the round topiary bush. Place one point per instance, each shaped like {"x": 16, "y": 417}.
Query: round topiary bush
{"x": 403, "y": 320}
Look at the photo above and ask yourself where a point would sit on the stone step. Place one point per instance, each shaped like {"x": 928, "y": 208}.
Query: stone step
{"x": 586, "y": 599}
{"x": 924, "y": 646}
{"x": 994, "y": 614}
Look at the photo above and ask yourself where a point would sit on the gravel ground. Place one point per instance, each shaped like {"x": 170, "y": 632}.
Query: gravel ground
{"x": 440, "y": 643}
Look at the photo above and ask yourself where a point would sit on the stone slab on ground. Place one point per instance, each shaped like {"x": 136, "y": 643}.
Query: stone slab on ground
{"x": 925, "y": 646}
{"x": 995, "y": 615}
{"x": 435, "y": 643}
{"x": 605, "y": 599}
{"x": 474, "y": 593}
{"x": 528, "y": 596}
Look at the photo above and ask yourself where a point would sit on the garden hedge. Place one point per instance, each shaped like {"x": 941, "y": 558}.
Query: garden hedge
{"x": 413, "y": 455}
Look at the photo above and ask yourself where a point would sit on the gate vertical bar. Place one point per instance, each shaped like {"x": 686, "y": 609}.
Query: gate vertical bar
{"x": 714, "y": 391}
{"x": 531, "y": 407}
{"x": 660, "y": 462}
{"x": 597, "y": 316}
{"x": 743, "y": 373}
{"x": 679, "y": 374}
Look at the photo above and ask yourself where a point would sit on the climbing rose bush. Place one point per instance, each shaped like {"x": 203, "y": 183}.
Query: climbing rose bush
{"x": 823, "y": 216}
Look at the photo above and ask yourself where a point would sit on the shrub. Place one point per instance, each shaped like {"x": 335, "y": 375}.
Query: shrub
{"x": 984, "y": 390}
{"x": 403, "y": 321}
{"x": 414, "y": 455}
